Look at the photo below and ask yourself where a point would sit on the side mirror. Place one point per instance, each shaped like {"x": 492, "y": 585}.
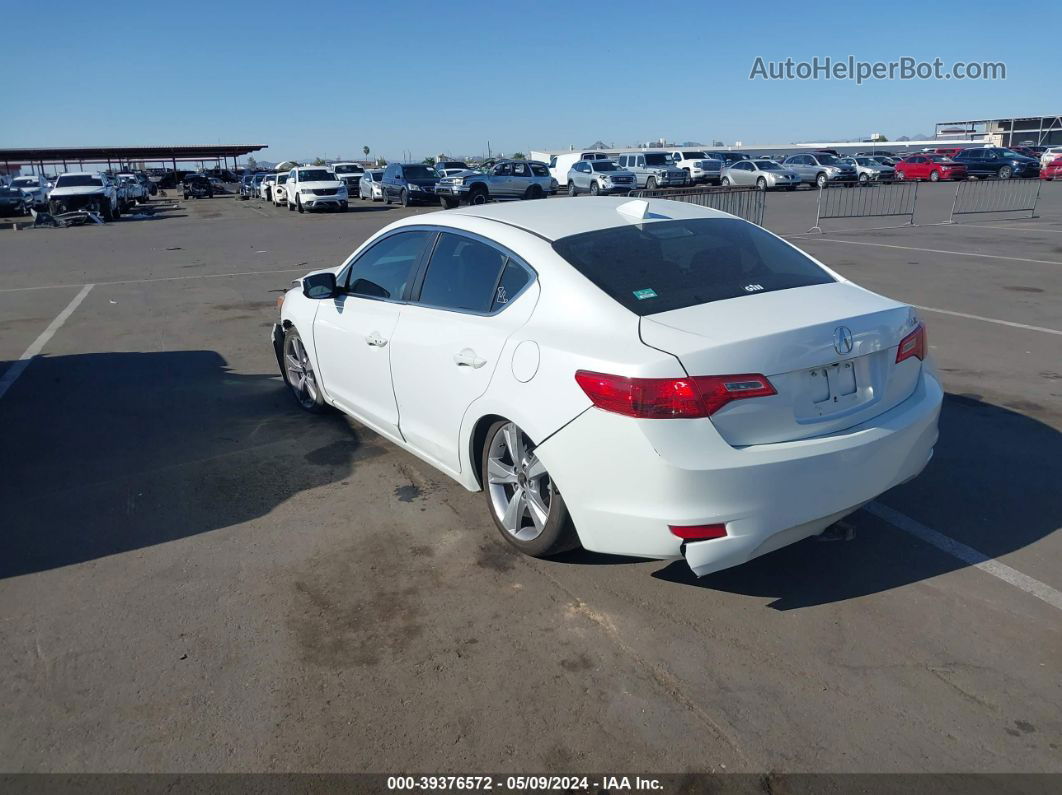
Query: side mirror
{"x": 319, "y": 285}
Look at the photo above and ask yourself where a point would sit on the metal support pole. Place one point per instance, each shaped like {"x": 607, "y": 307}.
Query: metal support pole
{"x": 954, "y": 202}
{"x": 818, "y": 213}
{"x": 914, "y": 205}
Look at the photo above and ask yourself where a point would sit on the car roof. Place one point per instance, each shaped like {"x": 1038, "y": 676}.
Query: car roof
{"x": 556, "y": 218}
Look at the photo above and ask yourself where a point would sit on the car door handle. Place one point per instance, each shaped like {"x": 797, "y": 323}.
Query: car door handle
{"x": 468, "y": 358}
{"x": 375, "y": 340}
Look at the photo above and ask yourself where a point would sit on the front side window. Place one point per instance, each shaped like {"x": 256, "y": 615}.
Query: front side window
{"x": 665, "y": 265}
{"x": 462, "y": 275}
{"x": 385, "y": 269}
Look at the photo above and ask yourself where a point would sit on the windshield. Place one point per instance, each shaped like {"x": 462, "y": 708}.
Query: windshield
{"x": 656, "y": 159}
{"x": 603, "y": 165}
{"x": 78, "y": 181}
{"x": 316, "y": 175}
{"x": 939, "y": 158}
{"x": 376, "y": 176}
{"x": 867, "y": 161}
{"x": 666, "y": 265}
{"x": 693, "y": 156}
{"x": 767, "y": 165}
{"x": 419, "y": 172}
{"x": 351, "y": 169}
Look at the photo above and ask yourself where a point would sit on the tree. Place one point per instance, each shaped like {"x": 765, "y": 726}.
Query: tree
{"x": 365, "y": 150}
{"x": 317, "y": 162}
{"x": 252, "y": 164}
{"x": 429, "y": 161}
{"x": 519, "y": 156}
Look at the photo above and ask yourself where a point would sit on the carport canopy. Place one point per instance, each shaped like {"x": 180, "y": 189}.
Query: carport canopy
{"x": 125, "y": 154}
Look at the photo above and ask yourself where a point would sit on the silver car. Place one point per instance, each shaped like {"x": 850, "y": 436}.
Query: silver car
{"x": 652, "y": 170}
{"x": 370, "y": 185}
{"x": 821, "y": 169}
{"x": 598, "y": 177}
{"x": 762, "y": 174}
{"x": 870, "y": 169}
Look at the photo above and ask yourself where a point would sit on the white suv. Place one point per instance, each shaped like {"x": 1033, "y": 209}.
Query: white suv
{"x": 315, "y": 188}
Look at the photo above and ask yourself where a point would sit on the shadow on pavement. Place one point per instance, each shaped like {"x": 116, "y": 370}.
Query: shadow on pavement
{"x": 993, "y": 484}
{"x": 111, "y": 452}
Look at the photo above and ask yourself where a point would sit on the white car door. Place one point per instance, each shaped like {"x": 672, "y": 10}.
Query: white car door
{"x": 352, "y": 332}
{"x": 444, "y": 353}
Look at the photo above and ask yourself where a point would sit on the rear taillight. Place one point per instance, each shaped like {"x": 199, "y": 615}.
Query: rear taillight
{"x": 670, "y": 398}
{"x": 914, "y": 344}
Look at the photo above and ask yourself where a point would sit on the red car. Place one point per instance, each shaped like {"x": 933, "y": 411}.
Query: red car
{"x": 929, "y": 166}
{"x": 1052, "y": 170}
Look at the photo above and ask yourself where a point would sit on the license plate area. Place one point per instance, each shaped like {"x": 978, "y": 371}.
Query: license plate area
{"x": 833, "y": 387}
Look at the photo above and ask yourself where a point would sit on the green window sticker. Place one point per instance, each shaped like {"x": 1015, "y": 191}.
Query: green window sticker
{"x": 641, "y": 295}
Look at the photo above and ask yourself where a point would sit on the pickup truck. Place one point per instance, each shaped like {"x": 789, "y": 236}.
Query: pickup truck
{"x": 699, "y": 167}
{"x": 85, "y": 190}
{"x": 505, "y": 179}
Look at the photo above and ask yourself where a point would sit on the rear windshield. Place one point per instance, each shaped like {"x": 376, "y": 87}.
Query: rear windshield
{"x": 349, "y": 169}
{"x": 665, "y": 265}
{"x": 78, "y": 181}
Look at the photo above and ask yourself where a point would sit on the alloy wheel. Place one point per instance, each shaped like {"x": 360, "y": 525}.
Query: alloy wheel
{"x": 521, "y": 491}
{"x": 300, "y": 373}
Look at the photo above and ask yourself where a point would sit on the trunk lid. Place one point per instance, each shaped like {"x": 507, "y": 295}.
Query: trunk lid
{"x": 789, "y": 336}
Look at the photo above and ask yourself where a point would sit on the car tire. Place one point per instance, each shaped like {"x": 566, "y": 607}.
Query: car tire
{"x": 650, "y": 184}
{"x": 343, "y": 207}
{"x": 761, "y": 183}
{"x": 296, "y": 364}
{"x": 447, "y": 202}
{"x": 821, "y": 181}
{"x": 516, "y": 521}
{"x": 478, "y": 195}
{"x": 572, "y": 191}
{"x": 934, "y": 176}
{"x": 864, "y": 179}
{"x": 725, "y": 182}
{"x": 186, "y": 196}
{"x": 403, "y": 198}
{"x": 387, "y": 197}
{"x": 595, "y": 189}
{"x": 898, "y": 177}
{"x": 298, "y": 205}
{"x": 116, "y": 211}
{"x": 1006, "y": 172}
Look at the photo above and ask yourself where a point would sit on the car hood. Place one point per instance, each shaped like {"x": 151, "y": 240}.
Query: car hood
{"x": 78, "y": 190}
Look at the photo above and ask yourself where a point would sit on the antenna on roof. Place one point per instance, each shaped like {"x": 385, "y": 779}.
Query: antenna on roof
{"x": 639, "y": 208}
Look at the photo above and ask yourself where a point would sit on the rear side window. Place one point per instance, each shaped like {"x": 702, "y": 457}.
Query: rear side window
{"x": 539, "y": 170}
{"x": 514, "y": 279}
{"x": 385, "y": 269}
{"x": 462, "y": 275}
{"x": 657, "y": 267}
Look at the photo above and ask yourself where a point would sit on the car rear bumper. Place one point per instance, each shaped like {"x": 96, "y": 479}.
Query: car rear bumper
{"x": 625, "y": 480}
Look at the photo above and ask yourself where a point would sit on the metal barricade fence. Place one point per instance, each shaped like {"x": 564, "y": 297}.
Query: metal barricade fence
{"x": 996, "y": 196}
{"x": 867, "y": 200}
{"x": 747, "y": 203}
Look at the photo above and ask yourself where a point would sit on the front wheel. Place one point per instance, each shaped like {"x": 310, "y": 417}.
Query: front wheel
{"x": 298, "y": 204}
{"x": 524, "y": 502}
{"x": 299, "y": 375}
{"x": 821, "y": 181}
{"x": 725, "y": 182}
{"x": 571, "y": 189}
{"x": 403, "y": 198}
{"x": 1005, "y": 172}
{"x": 478, "y": 195}
{"x": 594, "y": 189}
{"x": 761, "y": 184}
{"x": 650, "y": 184}
{"x": 934, "y": 176}
{"x": 863, "y": 179}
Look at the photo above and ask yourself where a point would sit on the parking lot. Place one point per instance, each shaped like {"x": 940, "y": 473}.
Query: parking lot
{"x": 196, "y": 576}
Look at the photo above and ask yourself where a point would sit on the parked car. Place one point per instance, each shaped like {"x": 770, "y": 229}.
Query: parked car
{"x": 134, "y": 188}
{"x": 698, "y": 166}
{"x": 568, "y": 359}
{"x": 560, "y": 165}
{"x": 995, "y": 161}
{"x": 12, "y": 201}
{"x": 450, "y": 165}
{"x": 150, "y": 187}
{"x": 1050, "y": 154}
{"x": 652, "y": 170}
{"x": 931, "y": 167}
{"x": 762, "y": 174}
{"x": 948, "y": 151}
{"x": 314, "y": 188}
{"x": 34, "y": 189}
{"x": 869, "y": 169}
{"x": 821, "y": 169}
{"x": 506, "y": 179}
{"x": 409, "y": 184}
{"x": 246, "y": 189}
{"x": 265, "y": 187}
{"x": 85, "y": 190}
{"x": 197, "y": 186}
{"x": 279, "y": 193}
{"x": 1052, "y": 170}
{"x": 344, "y": 168}
{"x": 370, "y": 186}
{"x": 599, "y": 177}
{"x": 879, "y": 153}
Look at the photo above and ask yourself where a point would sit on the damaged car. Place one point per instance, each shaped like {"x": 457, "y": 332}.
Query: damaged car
{"x": 84, "y": 190}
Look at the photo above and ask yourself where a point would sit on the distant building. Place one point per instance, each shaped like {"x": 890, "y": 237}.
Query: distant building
{"x": 1040, "y": 130}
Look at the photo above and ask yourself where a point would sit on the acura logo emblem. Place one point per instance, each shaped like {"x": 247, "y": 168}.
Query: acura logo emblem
{"x": 842, "y": 340}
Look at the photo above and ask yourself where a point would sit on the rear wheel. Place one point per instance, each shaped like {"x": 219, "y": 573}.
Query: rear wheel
{"x": 299, "y": 375}
{"x": 524, "y": 502}
{"x": 298, "y": 204}
{"x": 725, "y": 182}
{"x": 863, "y": 179}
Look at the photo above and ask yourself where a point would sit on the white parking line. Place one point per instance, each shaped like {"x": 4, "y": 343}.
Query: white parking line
{"x": 967, "y": 554}
{"x": 989, "y": 320}
{"x": 931, "y": 250}
{"x": 1010, "y": 228}
{"x": 16, "y": 369}
{"x": 304, "y": 269}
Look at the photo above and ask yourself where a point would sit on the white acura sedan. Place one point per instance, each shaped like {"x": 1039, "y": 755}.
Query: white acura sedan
{"x": 644, "y": 378}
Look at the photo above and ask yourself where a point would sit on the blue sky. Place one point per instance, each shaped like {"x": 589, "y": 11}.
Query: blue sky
{"x": 326, "y": 78}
